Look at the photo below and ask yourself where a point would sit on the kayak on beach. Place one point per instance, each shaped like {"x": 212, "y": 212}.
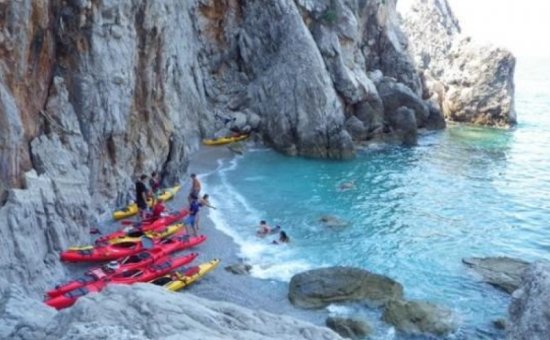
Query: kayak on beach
{"x": 186, "y": 276}
{"x": 132, "y": 209}
{"x": 150, "y": 225}
{"x": 148, "y": 273}
{"x": 115, "y": 251}
{"x": 135, "y": 234}
{"x": 224, "y": 140}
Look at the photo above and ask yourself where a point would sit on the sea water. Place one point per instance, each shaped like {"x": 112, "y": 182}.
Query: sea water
{"x": 412, "y": 213}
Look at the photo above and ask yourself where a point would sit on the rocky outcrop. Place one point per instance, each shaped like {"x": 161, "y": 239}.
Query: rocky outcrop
{"x": 502, "y": 272}
{"x": 529, "y": 312}
{"x": 349, "y": 327}
{"x": 144, "y": 311}
{"x": 418, "y": 317}
{"x": 320, "y": 287}
{"x": 468, "y": 82}
{"x": 239, "y": 268}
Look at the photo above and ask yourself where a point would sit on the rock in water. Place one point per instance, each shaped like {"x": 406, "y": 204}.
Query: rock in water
{"x": 417, "y": 317}
{"x": 239, "y": 269}
{"x": 501, "y": 272}
{"x": 333, "y": 221}
{"x": 348, "y": 327}
{"x": 529, "y": 312}
{"x": 320, "y": 287}
{"x": 144, "y": 311}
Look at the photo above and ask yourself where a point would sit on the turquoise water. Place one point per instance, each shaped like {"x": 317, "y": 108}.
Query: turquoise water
{"x": 414, "y": 212}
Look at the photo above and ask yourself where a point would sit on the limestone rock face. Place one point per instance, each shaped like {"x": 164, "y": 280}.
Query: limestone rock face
{"x": 471, "y": 83}
{"x": 144, "y": 311}
{"x": 502, "y": 272}
{"x": 529, "y": 312}
{"x": 319, "y": 287}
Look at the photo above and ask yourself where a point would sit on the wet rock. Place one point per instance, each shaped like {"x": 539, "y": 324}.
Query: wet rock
{"x": 499, "y": 323}
{"x": 239, "y": 268}
{"x": 502, "y": 272}
{"x": 349, "y": 327}
{"x": 529, "y": 311}
{"x": 333, "y": 221}
{"x": 320, "y": 287}
{"x": 403, "y": 122}
{"x": 395, "y": 95}
{"x": 356, "y": 128}
{"x": 418, "y": 317}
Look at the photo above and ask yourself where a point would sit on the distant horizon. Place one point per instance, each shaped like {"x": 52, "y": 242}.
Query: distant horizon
{"x": 519, "y": 26}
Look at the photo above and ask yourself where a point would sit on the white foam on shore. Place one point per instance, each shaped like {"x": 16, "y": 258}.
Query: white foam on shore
{"x": 268, "y": 261}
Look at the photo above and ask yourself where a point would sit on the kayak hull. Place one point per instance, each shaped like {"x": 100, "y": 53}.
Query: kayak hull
{"x": 185, "y": 277}
{"x": 224, "y": 140}
{"x": 132, "y": 209}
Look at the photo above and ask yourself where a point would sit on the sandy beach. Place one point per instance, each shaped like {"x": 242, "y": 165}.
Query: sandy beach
{"x": 247, "y": 291}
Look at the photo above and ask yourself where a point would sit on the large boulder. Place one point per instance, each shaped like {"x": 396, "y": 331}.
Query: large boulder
{"x": 403, "y": 122}
{"x": 529, "y": 312}
{"x": 502, "y": 272}
{"x": 395, "y": 95}
{"x": 320, "y": 287}
{"x": 349, "y": 327}
{"x": 144, "y": 311}
{"x": 418, "y": 317}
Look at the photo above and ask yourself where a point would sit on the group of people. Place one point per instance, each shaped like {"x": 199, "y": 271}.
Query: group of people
{"x": 195, "y": 204}
{"x": 265, "y": 229}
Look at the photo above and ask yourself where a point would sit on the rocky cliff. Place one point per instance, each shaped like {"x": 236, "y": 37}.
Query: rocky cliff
{"x": 93, "y": 93}
{"x": 467, "y": 81}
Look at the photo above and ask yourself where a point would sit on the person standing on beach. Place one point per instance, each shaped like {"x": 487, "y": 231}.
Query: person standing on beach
{"x": 154, "y": 182}
{"x": 141, "y": 196}
{"x": 203, "y": 202}
{"x": 195, "y": 188}
{"x": 191, "y": 220}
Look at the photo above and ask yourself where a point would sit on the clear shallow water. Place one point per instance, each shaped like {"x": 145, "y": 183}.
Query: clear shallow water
{"x": 414, "y": 213}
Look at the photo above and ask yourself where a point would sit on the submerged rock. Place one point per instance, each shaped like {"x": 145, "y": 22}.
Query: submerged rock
{"x": 144, "y": 311}
{"x": 349, "y": 327}
{"x": 239, "y": 268}
{"x": 417, "y": 317}
{"x": 501, "y": 272}
{"x": 333, "y": 221}
{"x": 529, "y": 312}
{"x": 320, "y": 287}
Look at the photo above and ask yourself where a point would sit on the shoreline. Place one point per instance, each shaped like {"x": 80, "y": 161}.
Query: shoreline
{"x": 244, "y": 290}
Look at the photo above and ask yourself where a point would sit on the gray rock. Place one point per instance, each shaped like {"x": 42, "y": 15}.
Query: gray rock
{"x": 419, "y": 317}
{"x": 349, "y": 327}
{"x": 529, "y": 311}
{"x": 403, "y": 121}
{"x": 395, "y": 95}
{"x": 356, "y": 128}
{"x": 253, "y": 120}
{"x": 320, "y": 287}
{"x": 478, "y": 79}
{"x": 502, "y": 272}
{"x": 239, "y": 268}
{"x": 144, "y": 311}
{"x": 500, "y": 323}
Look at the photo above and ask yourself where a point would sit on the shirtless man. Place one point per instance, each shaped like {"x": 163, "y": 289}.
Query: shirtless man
{"x": 195, "y": 188}
{"x": 263, "y": 229}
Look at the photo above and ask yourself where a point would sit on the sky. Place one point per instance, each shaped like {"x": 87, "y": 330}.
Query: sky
{"x": 522, "y": 26}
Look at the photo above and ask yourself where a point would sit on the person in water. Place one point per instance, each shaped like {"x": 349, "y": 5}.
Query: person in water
{"x": 141, "y": 196}
{"x": 283, "y": 238}
{"x": 195, "y": 188}
{"x": 263, "y": 229}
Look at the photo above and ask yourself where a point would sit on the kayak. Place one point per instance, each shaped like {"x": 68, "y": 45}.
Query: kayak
{"x": 135, "y": 235}
{"x": 186, "y": 276}
{"x": 145, "y": 274}
{"x": 132, "y": 209}
{"x": 224, "y": 140}
{"x": 155, "y": 225}
{"x": 115, "y": 251}
{"x": 138, "y": 260}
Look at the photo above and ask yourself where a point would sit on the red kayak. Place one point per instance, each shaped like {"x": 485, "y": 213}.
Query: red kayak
{"x": 138, "y": 260}
{"x": 154, "y": 225}
{"x": 115, "y": 251}
{"x": 148, "y": 273}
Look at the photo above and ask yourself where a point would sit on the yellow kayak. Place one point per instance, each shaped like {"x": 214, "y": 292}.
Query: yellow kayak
{"x": 224, "y": 140}
{"x": 132, "y": 209}
{"x": 183, "y": 278}
{"x": 164, "y": 233}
